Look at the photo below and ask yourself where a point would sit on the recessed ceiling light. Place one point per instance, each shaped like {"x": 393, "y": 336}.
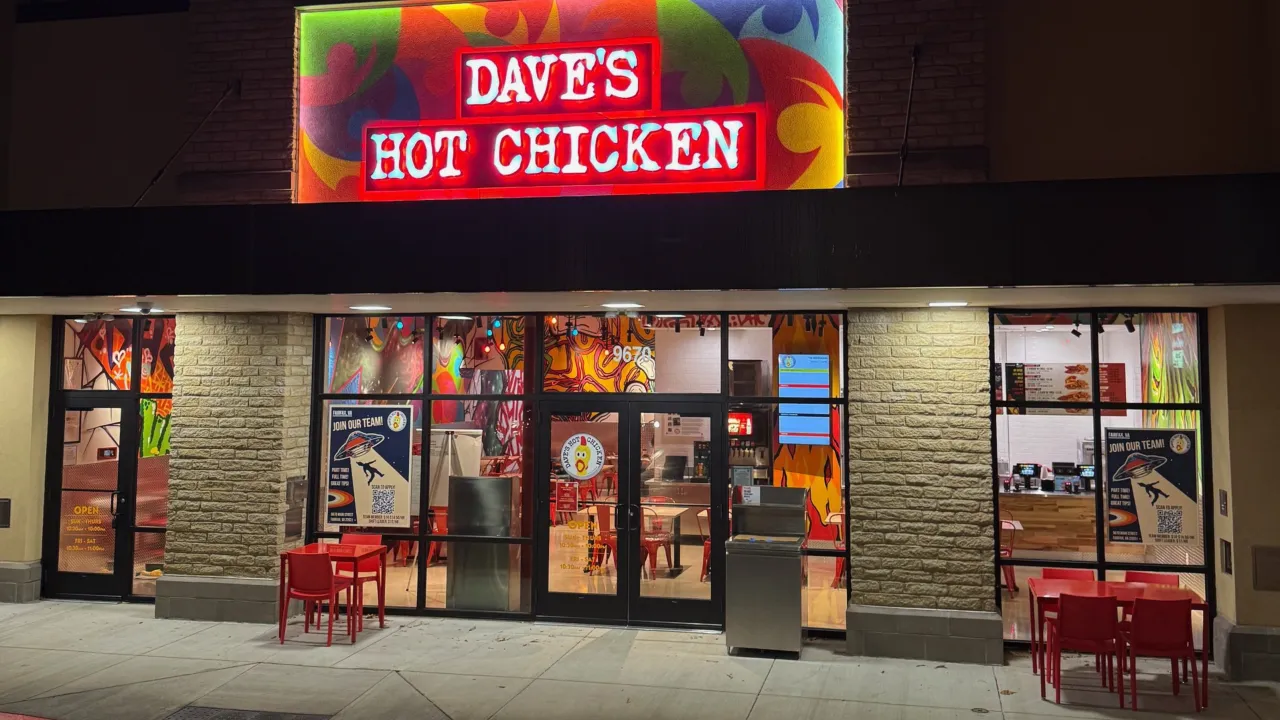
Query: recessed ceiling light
{"x": 949, "y": 303}
{"x": 456, "y": 317}
{"x": 668, "y": 315}
{"x": 141, "y": 309}
{"x": 622, "y": 305}
{"x": 370, "y": 308}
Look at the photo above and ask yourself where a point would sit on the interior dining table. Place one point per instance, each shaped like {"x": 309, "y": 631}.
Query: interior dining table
{"x": 344, "y": 554}
{"x": 1124, "y": 593}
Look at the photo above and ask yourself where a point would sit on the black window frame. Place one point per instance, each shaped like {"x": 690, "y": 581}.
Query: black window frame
{"x": 131, "y": 401}
{"x": 531, "y": 396}
{"x": 1100, "y": 565}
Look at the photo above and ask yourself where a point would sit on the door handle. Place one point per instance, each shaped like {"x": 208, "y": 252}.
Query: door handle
{"x": 115, "y": 495}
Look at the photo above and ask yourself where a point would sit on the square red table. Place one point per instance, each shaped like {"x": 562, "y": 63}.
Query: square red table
{"x": 345, "y": 553}
{"x": 1124, "y": 593}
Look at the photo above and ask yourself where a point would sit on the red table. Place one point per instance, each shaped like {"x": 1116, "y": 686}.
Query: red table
{"x": 1124, "y": 593}
{"x": 352, "y": 554}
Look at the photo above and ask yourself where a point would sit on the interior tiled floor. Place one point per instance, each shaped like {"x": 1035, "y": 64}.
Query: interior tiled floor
{"x": 86, "y": 661}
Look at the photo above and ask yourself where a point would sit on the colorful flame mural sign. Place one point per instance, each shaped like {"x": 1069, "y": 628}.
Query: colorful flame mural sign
{"x": 359, "y": 67}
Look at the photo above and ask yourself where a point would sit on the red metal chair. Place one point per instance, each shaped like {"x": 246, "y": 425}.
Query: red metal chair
{"x": 606, "y": 534}
{"x": 837, "y": 519}
{"x": 706, "y": 548}
{"x": 367, "y": 570}
{"x": 654, "y": 534}
{"x": 439, "y": 526}
{"x": 1153, "y": 578}
{"x": 1008, "y": 537}
{"x": 311, "y": 580}
{"x": 1161, "y": 628}
{"x": 1085, "y": 624}
{"x": 1051, "y": 605}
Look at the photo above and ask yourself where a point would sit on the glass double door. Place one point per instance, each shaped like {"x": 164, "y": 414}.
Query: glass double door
{"x": 631, "y": 512}
{"x": 104, "y": 519}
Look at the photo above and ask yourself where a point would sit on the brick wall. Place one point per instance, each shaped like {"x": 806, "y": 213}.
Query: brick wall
{"x": 240, "y": 407}
{"x": 920, "y": 459}
{"x": 948, "y": 112}
{"x": 244, "y": 153}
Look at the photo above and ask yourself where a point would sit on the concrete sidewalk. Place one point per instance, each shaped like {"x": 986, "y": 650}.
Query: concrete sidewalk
{"x": 99, "y": 662}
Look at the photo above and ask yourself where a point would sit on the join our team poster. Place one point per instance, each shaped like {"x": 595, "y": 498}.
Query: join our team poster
{"x": 1152, "y": 489}
{"x": 370, "y": 448}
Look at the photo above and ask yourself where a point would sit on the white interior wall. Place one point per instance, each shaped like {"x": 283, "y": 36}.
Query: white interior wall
{"x": 1046, "y": 439}
{"x": 687, "y": 362}
{"x": 754, "y": 344}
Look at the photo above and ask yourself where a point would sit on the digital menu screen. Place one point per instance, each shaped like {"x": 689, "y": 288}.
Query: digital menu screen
{"x": 1088, "y": 471}
{"x": 1026, "y": 469}
{"x": 804, "y": 376}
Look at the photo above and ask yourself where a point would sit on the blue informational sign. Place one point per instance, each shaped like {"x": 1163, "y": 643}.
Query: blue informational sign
{"x": 804, "y": 376}
{"x": 369, "y": 448}
{"x": 1152, "y": 489}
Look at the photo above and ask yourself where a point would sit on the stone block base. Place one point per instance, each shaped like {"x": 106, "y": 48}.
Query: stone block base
{"x": 19, "y": 581}
{"x": 958, "y": 636}
{"x": 229, "y": 599}
{"x": 1246, "y": 652}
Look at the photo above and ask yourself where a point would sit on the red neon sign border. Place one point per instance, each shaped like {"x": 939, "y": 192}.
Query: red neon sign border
{"x": 525, "y": 191}
{"x": 655, "y": 91}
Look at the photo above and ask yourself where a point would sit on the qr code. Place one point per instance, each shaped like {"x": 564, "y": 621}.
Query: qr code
{"x": 384, "y": 501}
{"x": 1169, "y": 521}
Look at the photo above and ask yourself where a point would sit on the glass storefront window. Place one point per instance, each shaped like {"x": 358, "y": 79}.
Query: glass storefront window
{"x": 337, "y": 498}
{"x": 582, "y": 557}
{"x": 1047, "y": 510}
{"x": 374, "y": 355}
{"x": 1161, "y": 352}
{"x": 1144, "y": 466}
{"x": 473, "y": 439}
{"x": 148, "y": 562}
{"x": 593, "y": 353}
{"x": 786, "y": 355}
{"x": 98, "y": 355}
{"x": 478, "y": 576}
{"x": 481, "y": 355}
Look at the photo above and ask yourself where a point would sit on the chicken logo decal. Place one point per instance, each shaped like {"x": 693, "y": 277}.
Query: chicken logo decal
{"x": 582, "y": 456}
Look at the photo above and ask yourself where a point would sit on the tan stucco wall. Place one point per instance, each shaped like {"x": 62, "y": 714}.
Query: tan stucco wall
{"x": 24, "y": 403}
{"x": 1244, "y": 345}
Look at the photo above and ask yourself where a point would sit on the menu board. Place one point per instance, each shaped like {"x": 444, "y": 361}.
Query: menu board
{"x": 1063, "y": 382}
{"x": 804, "y": 376}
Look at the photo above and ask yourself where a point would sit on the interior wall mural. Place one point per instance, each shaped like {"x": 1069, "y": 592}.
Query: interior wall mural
{"x": 584, "y": 354}
{"x": 368, "y": 355}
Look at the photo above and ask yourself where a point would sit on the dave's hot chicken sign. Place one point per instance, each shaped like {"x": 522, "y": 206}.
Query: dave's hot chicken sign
{"x": 563, "y": 115}
{"x": 569, "y": 97}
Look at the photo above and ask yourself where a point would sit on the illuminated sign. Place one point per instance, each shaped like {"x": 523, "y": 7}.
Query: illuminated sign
{"x": 563, "y": 115}
{"x": 541, "y": 98}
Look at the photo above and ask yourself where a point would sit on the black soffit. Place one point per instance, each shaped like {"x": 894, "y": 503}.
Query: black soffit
{"x": 1209, "y": 229}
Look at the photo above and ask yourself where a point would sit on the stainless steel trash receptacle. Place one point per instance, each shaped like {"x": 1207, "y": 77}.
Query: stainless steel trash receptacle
{"x": 763, "y": 573}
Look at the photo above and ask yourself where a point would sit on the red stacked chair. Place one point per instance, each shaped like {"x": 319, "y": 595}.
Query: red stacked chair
{"x": 1084, "y": 624}
{"x": 311, "y": 580}
{"x": 367, "y": 570}
{"x": 1161, "y": 628}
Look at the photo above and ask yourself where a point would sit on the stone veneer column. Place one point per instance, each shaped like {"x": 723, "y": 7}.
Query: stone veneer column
{"x": 241, "y": 400}
{"x": 920, "y": 513}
